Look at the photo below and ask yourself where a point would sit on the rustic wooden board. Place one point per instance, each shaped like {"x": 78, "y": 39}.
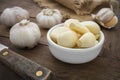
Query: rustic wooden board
{"x": 105, "y": 67}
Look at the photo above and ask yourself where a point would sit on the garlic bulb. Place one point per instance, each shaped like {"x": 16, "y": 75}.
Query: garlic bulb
{"x": 67, "y": 39}
{"x": 25, "y": 34}
{"x": 93, "y": 27}
{"x": 106, "y": 17}
{"x": 11, "y": 16}
{"x": 87, "y": 40}
{"x": 47, "y": 18}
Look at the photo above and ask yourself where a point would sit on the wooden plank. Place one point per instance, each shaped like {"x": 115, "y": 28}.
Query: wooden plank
{"x": 105, "y": 67}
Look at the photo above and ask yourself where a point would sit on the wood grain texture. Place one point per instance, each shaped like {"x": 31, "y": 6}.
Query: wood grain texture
{"x": 105, "y": 67}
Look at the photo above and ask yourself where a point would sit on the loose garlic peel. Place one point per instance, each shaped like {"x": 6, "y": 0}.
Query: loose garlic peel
{"x": 106, "y": 17}
{"x": 11, "y": 16}
{"x": 48, "y": 18}
{"x": 25, "y": 34}
{"x": 77, "y": 35}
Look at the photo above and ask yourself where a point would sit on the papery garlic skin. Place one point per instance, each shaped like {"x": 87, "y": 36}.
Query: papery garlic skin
{"x": 67, "y": 39}
{"x": 25, "y": 34}
{"x": 87, "y": 40}
{"x": 11, "y": 16}
{"x": 48, "y": 18}
{"x": 93, "y": 27}
{"x": 105, "y": 14}
{"x": 106, "y": 17}
{"x": 111, "y": 23}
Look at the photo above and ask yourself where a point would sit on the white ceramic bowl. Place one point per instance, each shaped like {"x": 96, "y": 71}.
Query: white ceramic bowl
{"x": 71, "y": 55}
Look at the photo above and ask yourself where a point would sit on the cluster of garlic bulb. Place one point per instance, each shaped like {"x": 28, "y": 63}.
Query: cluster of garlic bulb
{"x": 75, "y": 34}
{"x": 47, "y": 18}
{"x": 25, "y": 34}
{"x": 106, "y": 17}
{"x": 11, "y": 16}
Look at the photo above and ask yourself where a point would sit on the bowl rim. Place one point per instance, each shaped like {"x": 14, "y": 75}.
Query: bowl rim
{"x": 50, "y": 41}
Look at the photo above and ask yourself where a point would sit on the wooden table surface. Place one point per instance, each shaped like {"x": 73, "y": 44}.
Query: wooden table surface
{"x": 105, "y": 67}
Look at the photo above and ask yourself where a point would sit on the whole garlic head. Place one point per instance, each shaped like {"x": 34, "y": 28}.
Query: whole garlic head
{"x": 11, "y": 16}
{"x": 25, "y": 34}
{"x": 106, "y": 17}
{"x": 47, "y": 18}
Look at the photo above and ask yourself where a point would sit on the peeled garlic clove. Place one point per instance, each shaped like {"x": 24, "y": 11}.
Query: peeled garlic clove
{"x": 54, "y": 34}
{"x": 87, "y": 40}
{"x": 97, "y": 36}
{"x": 25, "y": 34}
{"x": 92, "y": 26}
{"x": 69, "y": 21}
{"x": 79, "y": 28}
{"x": 11, "y": 16}
{"x": 67, "y": 39}
{"x": 48, "y": 18}
{"x": 111, "y": 23}
{"x": 79, "y": 35}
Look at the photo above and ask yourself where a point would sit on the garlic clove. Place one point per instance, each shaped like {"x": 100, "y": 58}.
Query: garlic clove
{"x": 67, "y": 39}
{"x": 105, "y": 14}
{"x": 97, "y": 36}
{"x": 79, "y": 35}
{"x": 69, "y": 21}
{"x": 58, "y": 17}
{"x": 51, "y": 21}
{"x": 40, "y": 18}
{"x": 106, "y": 18}
{"x": 55, "y": 33}
{"x": 111, "y": 23}
{"x": 79, "y": 28}
{"x": 87, "y": 40}
{"x": 93, "y": 27}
